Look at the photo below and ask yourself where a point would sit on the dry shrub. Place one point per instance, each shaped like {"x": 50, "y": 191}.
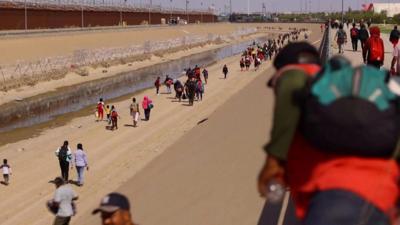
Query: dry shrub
{"x": 82, "y": 71}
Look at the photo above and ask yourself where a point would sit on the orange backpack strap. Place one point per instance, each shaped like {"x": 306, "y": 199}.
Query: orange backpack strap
{"x": 309, "y": 69}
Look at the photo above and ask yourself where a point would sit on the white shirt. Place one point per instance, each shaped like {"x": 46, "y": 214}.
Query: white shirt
{"x": 396, "y": 53}
{"x": 63, "y": 196}
{"x": 6, "y": 169}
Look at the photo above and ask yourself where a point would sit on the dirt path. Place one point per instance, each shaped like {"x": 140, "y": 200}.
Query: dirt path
{"x": 210, "y": 171}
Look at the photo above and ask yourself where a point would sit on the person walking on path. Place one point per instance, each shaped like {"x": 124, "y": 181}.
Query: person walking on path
{"x": 6, "y": 169}
{"x": 375, "y": 48}
{"x": 168, "y": 82}
{"x": 394, "y": 36}
{"x": 147, "y": 105}
{"x": 81, "y": 163}
{"x": 395, "y": 66}
{"x": 205, "y": 75}
{"x": 191, "y": 90}
{"x": 363, "y": 35}
{"x": 62, "y": 205}
{"x": 114, "y": 118}
{"x": 354, "y": 34}
{"x": 157, "y": 85}
{"x": 100, "y": 110}
{"x": 225, "y": 71}
{"x": 64, "y": 156}
{"x": 199, "y": 90}
{"x": 135, "y": 113}
{"x": 242, "y": 64}
{"x": 108, "y": 113}
{"x": 178, "y": 87}
{"x": 341, "y": 38}
{"x": 115, "y": 210}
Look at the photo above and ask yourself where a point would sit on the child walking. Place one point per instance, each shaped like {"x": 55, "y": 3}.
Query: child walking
{"x": 6, "y": 171}
{"x": 114, "y": 118}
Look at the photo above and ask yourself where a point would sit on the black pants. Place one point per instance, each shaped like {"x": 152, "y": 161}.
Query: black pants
{"x": 364, "y": 51}
{"x": 147, "y": 113}
{"x": 225, "y": 75}
{"x": 61, "y": 220}
{"x": 354, "y": 42}
{"x": 64, "y": 166}
{"x": 376, "y": 64}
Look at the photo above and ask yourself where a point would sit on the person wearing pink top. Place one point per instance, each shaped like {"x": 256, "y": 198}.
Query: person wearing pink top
{"x": 147, "y": 105}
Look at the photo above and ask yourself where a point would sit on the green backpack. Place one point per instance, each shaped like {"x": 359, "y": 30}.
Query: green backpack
{"x": 351, "y": 111}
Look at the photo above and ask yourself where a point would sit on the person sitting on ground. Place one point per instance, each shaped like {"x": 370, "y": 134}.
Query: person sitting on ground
{"x": 115, "y": 210}
{"x": 6, "y": 168}
{"x": 375, "y": 48}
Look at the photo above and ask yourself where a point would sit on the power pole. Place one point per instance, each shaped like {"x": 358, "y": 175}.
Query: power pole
{"x": 187, "y": 13}
{"x": 342, "y": 11}
{"x": 26, "y": 16}
{"x": 230, "y": 7}
{"x": 248, "y": 7}
{"x": 151, "y": 3}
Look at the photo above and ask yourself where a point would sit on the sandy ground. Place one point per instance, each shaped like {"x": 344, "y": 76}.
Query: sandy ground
{"x": 49, "y": 45}
{"x": 206, "y": 177}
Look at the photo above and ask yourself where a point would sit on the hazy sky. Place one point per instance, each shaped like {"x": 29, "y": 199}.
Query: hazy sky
{"x": 272, "y": 5}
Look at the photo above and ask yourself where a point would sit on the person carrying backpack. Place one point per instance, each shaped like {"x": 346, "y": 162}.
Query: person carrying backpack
{"x": 335, "y": 170}
{"x": 199, "y": 90}
{"x": 363, "y": 36}
{"x": 64, "y": 156}
{"x": 354, "y": 32}
{"x": 375, "y": 48}
{"x": 394, "y": 36}
{"x": 341, "y": 38}
{"x": 147, "y": 105}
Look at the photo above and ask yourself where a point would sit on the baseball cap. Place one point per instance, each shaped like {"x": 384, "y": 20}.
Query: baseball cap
{"x": 113, "y": 202}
